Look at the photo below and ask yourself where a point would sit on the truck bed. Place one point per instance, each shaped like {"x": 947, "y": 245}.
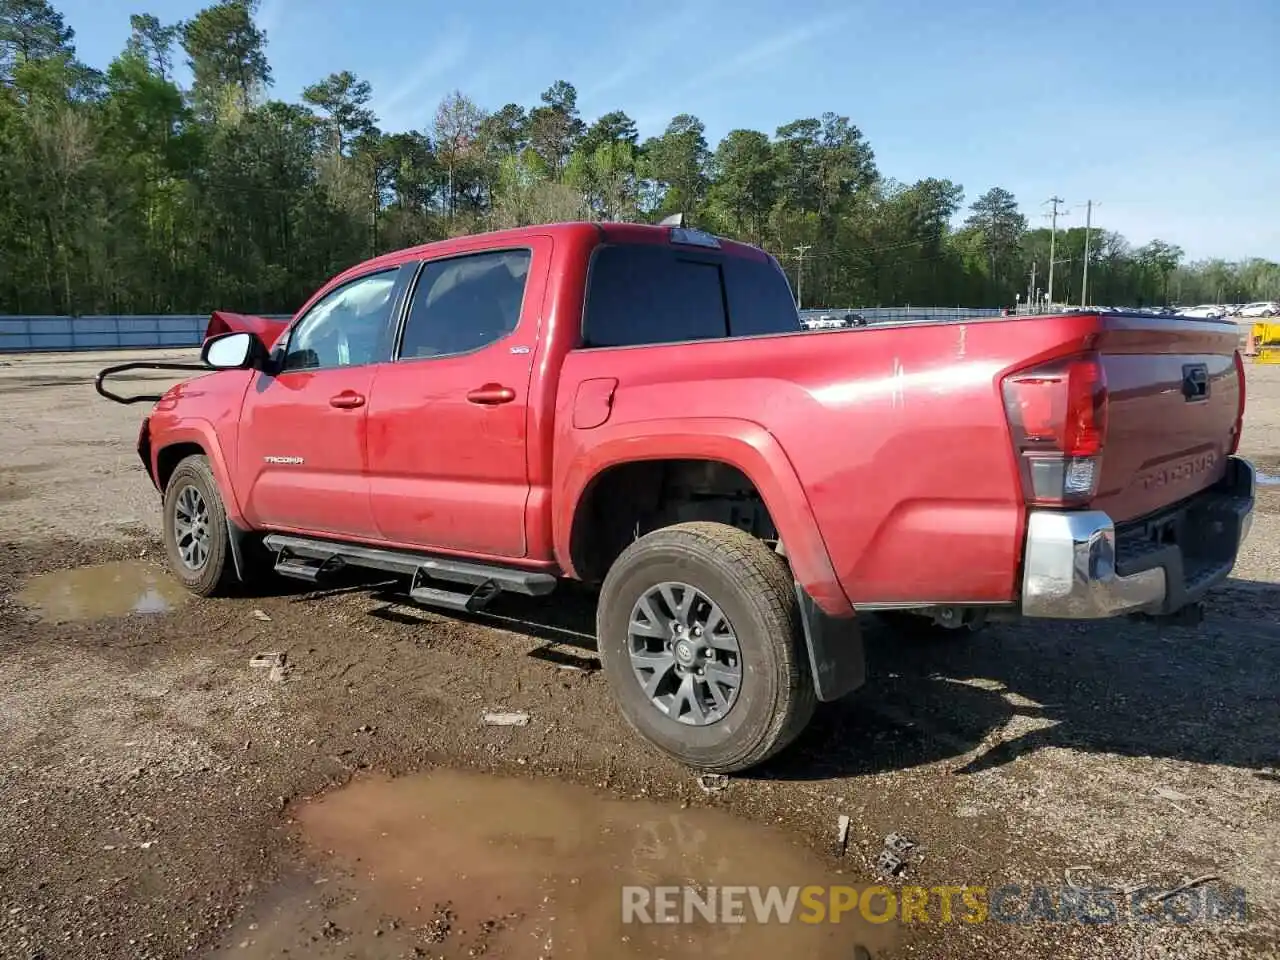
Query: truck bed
{"x": 900, "y": 436}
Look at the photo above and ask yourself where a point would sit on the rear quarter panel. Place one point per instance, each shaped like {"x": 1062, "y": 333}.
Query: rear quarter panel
{"x": 897, "y": 436}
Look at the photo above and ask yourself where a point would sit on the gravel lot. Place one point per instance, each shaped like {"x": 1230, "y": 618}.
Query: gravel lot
{"x": 156, "y": 790}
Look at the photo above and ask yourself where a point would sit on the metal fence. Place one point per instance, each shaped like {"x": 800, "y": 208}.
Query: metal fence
{"x": 33, "y": 334}
{"x": 50, "y": 334}
{"x": 892, "y": 314}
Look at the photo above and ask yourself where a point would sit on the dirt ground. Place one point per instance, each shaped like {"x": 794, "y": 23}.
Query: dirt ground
{"x": 162, "y": 797}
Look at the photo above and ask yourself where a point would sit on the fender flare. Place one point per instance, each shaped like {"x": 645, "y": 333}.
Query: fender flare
{"x": 739, "y": 443}
{"x": 202, "y": 434}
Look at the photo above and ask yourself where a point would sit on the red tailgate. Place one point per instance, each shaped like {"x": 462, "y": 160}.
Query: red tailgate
{"x": 1173, "y": 399}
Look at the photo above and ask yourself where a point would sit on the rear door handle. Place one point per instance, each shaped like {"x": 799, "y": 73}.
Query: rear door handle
{"x": 347, "y": 400}
{"x": 491, "y": 394}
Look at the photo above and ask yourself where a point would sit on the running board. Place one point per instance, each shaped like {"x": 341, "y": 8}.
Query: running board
{"x": 308, "y": 559}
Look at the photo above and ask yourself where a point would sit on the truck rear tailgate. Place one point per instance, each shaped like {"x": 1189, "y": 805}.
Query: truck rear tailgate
{"x": 1174, "y": 398}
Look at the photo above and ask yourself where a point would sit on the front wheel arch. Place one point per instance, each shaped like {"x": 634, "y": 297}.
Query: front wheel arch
{"x": 168, "y": 458}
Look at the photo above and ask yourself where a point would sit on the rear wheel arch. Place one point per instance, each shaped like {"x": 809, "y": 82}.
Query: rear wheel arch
{"x": 608, "y": 477}
{"x": 628, "y": 499}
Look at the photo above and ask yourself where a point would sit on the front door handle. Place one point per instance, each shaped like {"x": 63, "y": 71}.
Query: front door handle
{"x": 491, "y": 394}
{"x": 347, "y": 400}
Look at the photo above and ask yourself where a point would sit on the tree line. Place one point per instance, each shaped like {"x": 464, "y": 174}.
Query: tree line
{"x": 123, "y": 192}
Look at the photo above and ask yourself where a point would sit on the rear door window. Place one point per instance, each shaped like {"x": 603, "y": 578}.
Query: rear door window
{"x": 465, "y": 303}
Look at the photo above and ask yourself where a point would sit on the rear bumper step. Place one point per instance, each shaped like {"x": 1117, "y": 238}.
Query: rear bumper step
{"x": 1079, "y": 565}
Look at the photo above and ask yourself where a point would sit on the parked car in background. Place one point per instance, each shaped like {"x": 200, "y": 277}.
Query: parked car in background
{"x": 826, "y": 321}
{"x": 1205, "y": 311}
{"x": 1263, "y": 308}
{"x": 832, "y": 321}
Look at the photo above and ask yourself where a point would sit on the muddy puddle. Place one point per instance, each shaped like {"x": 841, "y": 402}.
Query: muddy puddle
{"x": 453, "y": 865}
{"x": 107, "y": 590}
{"x": 1268, "y": 479}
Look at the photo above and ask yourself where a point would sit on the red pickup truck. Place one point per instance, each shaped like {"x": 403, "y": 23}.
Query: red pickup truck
{"x": 639, "y": 407}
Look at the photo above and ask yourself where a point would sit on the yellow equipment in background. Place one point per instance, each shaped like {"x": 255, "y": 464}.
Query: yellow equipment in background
{"x": 1264, "y": 342}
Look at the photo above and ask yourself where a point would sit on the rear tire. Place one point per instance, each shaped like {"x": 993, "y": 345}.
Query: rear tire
{"x": 196, "y": 541}
{"x": 684, "y": 576}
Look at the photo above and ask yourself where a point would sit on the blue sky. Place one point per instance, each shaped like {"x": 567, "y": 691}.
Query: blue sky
{"x": 1166, "y": 113}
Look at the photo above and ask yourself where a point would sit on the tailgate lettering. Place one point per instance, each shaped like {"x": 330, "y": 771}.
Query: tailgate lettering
{"x": 1178, "y": 472}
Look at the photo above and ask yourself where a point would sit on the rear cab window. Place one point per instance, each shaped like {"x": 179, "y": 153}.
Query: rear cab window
{"x": 646, "y": 293}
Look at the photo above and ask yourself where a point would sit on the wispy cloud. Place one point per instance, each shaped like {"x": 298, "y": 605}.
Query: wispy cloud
{"x": 410, "y": 103}
{"x": 745, "y": 62}
{"x": 768, "y": 51}
{"x": 662, "y": 41}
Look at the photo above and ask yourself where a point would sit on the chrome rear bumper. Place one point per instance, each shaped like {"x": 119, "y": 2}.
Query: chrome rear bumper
{"x": 1078, "y": 566}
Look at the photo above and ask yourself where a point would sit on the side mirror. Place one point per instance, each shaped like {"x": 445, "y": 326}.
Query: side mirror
{"x": 232, "y": 351}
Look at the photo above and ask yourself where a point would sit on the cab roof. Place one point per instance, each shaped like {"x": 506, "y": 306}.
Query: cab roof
{"x": 578, "y": 232}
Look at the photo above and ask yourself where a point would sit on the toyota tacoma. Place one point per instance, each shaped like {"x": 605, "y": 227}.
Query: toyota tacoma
{"x": 640, "y": 408}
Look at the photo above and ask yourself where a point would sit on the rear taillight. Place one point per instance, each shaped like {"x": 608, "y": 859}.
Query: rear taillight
{"x": 1058, "y": 418}
{"x": 1238, "y": 428}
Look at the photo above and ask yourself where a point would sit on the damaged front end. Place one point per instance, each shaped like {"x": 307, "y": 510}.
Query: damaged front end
{"x": 266, "y": 329}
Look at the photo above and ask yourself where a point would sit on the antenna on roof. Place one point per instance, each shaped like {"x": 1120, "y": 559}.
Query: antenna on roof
{"x": 675, "y": 220}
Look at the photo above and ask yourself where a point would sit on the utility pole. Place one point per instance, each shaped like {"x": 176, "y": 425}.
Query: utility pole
{"x": 1084, "y": 284}
{"x": 1031, "y": 290}
{"x": 800, "y": 252}
{"x": 1053, "y": 238}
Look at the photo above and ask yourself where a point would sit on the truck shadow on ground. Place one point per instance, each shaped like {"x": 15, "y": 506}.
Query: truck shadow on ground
{"x": 1204, "y": 694}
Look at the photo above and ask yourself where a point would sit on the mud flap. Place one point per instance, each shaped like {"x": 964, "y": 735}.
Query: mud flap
{"x": 836, "y": 657}
{"x": 242, "y": 547}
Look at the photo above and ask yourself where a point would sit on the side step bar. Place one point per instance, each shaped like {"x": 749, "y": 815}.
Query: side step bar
{"x": 302, "y": 569}
{"x": 306, "y": 559}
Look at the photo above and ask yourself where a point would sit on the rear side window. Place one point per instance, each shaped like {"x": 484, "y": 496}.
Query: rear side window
{"x": 465, "y": 303}
{"x": 759, "y": 298}
{"x": 646, "y": 293}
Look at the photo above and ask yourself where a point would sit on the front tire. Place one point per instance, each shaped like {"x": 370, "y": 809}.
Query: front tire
{"x": 700, "y": 638}
{"x": 196, "y": 540}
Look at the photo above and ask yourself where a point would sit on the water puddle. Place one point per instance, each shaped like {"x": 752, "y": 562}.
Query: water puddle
{"x": 108, "y": 590}
{"x": 453, "y": 865}
{"x": 1268, "y": 479}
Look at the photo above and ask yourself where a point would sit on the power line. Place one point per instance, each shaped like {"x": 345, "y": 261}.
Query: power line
{"x": 1088, "y": 226}
{"x": 899, "y": 245}
{"x": 800, "y": 252}
{"x": 1053, "y": 239}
